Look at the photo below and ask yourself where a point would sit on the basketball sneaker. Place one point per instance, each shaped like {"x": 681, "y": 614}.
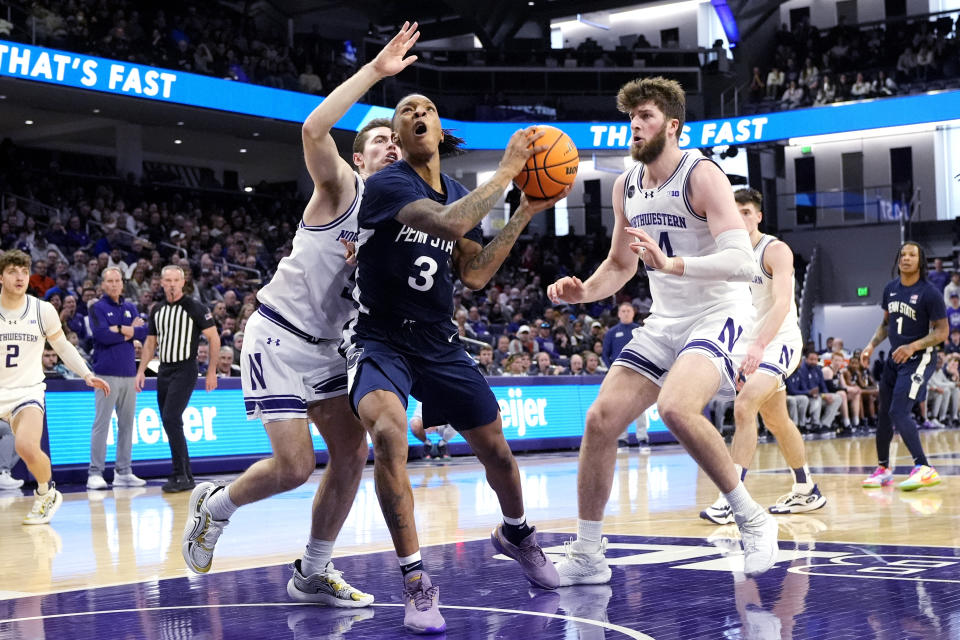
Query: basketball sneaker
{"x": 201, "y": 532}
{"x": 422, "y": 604}
{"x": 44, "y": 506}
{"x": 539, "y": 570}
{"x": 759, "y": 536}
{"x": 799, "y": 501}
{"x": 127, "y": 480}
{"x": 921, "y": 476}
{"x": 327, "y": 587}
{"x": 8, "y": 482}
{"x": 881, "y": 477}
{"x": 96, "y": 481}
{"x": 719, "y": 512}
{"x": 579, "y": 566}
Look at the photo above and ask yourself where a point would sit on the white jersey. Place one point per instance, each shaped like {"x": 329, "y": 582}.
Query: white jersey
{"x": 23, "y": 333}
{"x": 761, "y": 289}
{"x": 312, "y": 288}
{"x": 665, "y": 213}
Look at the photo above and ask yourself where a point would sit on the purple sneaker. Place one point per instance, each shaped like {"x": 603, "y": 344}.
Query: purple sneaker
{"x": 421, "y": 604}
{"x": 538, "y": 569}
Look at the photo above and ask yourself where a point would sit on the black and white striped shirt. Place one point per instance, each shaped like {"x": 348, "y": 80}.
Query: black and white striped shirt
{"x": 177, "y": 326}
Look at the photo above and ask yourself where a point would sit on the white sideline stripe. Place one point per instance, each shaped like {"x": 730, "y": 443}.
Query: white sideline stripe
{"x": 630, "y": 633}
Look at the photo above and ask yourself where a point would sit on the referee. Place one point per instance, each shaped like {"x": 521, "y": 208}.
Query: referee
{"x": 176, "y": 325}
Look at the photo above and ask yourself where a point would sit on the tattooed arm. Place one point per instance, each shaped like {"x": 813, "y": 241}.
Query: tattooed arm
{"x": 477, "y": 265}
{"x": 879, "y": 336}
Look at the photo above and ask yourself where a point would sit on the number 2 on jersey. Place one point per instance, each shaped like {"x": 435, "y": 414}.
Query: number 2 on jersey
{"x": 13, "y": 350}
{"x": 423, "y": 280}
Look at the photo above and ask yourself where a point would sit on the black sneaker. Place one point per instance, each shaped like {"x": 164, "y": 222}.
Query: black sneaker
{"x": 426, "y": 451}
{"x": 442, "y": 450}
{"x": 177, "y": 484}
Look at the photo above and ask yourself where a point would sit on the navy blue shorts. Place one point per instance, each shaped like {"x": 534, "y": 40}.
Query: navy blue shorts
{"x": 909, "y": 380}
{"x": 427, "y": 362}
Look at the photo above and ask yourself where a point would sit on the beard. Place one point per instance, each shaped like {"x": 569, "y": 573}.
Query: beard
{"x": 651, "y": 149}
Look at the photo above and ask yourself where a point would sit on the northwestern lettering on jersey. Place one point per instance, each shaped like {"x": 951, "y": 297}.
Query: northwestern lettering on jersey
{"x": 348, "y": 236}
{"x": 901, "y": 307}
{"x": 409, "y": 234}
{"x": 22, "y": 337}
{"x": 662, "y": 219}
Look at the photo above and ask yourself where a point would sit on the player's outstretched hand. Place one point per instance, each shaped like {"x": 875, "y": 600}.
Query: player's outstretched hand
{"x": 569, "y": 289}
{"x": 349, "y": 252}
{"x": 97, "y": 383}
{"x": 520, "y": 148}
{"x": 536, "y": 205}
{"x": 390, "y": 61}
{"x": 648, "y": 250}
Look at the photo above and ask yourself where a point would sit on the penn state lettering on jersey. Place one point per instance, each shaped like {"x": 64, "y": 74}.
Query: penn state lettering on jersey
{"x": 312, "y": 286}
{"x": 665, "y": 213}
{"x": 911, "y": 310}
{"x": 403, "y": 272}
{"x": 23, "y": 334}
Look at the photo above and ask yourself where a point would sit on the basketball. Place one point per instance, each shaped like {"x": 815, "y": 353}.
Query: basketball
{"x": 548, "y": 172}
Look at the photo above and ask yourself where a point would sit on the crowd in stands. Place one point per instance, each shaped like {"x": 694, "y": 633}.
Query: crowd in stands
{"x": 205, "y": 38}
{"x": 811, "y": 67}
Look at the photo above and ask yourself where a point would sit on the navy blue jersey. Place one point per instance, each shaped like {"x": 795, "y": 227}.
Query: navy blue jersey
{"x": 402, "y": 272}
{"x": 911, "y": 310}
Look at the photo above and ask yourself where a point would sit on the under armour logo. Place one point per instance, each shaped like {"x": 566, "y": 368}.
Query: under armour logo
{"x": 649, "y": 194}
{"x": 275, "y": 341}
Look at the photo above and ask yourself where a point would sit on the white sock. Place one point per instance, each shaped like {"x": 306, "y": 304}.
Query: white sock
{"x": 588, "y": 534}
{"x": 42, "y": 488}
{"x": 741, "y": 503}
{"x": 316, "y": 556}
{"x": 220, "y": 505}
{"x": 517, "y": 522}
{"x": 410, "y": 559}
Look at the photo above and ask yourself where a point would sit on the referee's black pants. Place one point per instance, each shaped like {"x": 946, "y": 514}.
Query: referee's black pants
{"x": 175, "y": 383}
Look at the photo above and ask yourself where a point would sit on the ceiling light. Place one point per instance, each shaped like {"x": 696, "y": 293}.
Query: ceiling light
{"x": 179, "y": 123}
{"x": 243, "y": 150}
{"x": 3, "y": 97}
{"x": 96, "y": 110}
{"x": 178, "y": 141}
{"x": 248, "y": 189}
{"x": 256, "y": 134}
{"x": 28, "y": 122}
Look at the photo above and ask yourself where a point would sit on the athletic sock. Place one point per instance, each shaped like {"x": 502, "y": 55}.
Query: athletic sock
{"x": 741, "y": 503}
{"x": 741, "y": 471}
{"x": 588, "y": 534}
{"x": 410, "y": 563}
{"x": 801, "y": 475}
{"x": 516, "y": 529}
{"x": 220, "y": 505}
{"x": 42, "y": 488}
{"x": 316, "y": 556}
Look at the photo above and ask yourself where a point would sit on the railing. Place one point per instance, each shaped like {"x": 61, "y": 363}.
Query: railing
{"x": 880, "y": 204}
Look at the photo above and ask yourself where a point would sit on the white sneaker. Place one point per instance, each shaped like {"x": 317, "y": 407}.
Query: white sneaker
{"x": 583, "y": 567}
{"x": 799, "y": 501}
{"x": 95, "y": 482}
{"x": 127, "y": 480}
{"x": 327, "y": 587}
{"x": 201, "y": 532}
{"x": 719, "y": 512}
{"x": 9, "y": 482}
{"x": 759, "y": 535}
{"x": 44, "y": 506}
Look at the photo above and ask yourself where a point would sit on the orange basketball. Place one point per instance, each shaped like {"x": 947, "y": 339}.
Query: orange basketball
{"x": 548, "y": 172}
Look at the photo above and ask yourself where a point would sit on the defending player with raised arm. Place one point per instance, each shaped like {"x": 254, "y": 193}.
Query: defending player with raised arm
{"x": 290, "y": 365}
{"x": 27, "y": 323}
{"x": 698, "y": 265}
{"x": 915, "y": 321}
{"x": 770, "y": 353}
{"x": 418, "y": 229}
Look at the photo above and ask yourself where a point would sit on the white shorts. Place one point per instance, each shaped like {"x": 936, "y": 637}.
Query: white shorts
{"x": 283, "y": 373}
{"x": 659, "y": 342}
{"x": 13, "y": 401}
{"x": 780, "y": 359}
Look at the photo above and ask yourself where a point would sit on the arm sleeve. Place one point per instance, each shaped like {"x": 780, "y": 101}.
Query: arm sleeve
{"x": 70, "y": 356}
{"x": 101, "y": 330}
{"x": 384, "y": 194}
{"x": 732, "y": 261}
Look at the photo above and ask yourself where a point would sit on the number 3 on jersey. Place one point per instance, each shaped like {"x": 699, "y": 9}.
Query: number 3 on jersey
{"x": 423, "y": 280}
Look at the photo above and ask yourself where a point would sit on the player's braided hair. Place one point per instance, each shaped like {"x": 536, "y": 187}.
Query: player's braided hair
{"x": 923, "y": 259}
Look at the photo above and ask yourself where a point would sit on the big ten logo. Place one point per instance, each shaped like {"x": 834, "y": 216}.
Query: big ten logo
{"x": 148, "y": 428}
{"x": 520, "y": 412}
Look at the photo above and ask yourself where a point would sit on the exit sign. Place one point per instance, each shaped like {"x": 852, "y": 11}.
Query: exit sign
{"x": 863, "y": 292}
